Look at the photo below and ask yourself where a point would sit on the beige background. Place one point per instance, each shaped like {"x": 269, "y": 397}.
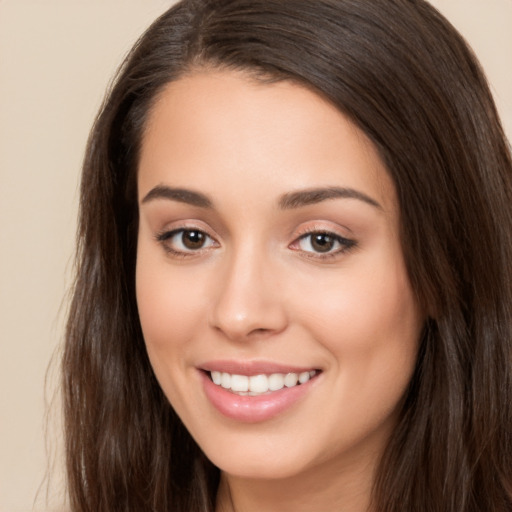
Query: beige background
{"x": 56, "y": 57}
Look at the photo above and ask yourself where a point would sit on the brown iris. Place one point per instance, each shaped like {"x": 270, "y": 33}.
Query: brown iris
{"x": 193, "y": 239}
{"x": 322, "y": 242}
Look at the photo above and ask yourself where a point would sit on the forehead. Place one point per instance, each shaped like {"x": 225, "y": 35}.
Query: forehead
{"x": 211, "y": 127}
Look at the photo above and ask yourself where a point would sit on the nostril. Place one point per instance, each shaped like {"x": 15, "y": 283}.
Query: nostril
{"x": 260, "y": 330}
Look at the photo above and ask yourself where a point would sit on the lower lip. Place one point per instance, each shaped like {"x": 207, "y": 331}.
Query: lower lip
{"x": 253, "y": 409}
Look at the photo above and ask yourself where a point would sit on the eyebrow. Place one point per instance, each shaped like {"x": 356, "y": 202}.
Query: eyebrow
{"x": 287, "y": 201}
{"x": 181, "y": 195}
{"x": 317, "y": 195}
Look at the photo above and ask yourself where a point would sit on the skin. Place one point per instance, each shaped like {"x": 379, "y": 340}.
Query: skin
{"x": 258, "y": 290}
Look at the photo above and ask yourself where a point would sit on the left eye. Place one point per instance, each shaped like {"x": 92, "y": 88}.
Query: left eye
{"x": 323, "y": 243}
{"x": 186, "y": 240}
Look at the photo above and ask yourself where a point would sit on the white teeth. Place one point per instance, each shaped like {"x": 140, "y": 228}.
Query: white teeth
{"x": 226, "y": 381}
{"x": 304, "y": 377}
{"x": 290, "y": 380}
{"x": 239, "y": 383}
{"x": 276, "y": 382}
{"x": 259, "y": 384}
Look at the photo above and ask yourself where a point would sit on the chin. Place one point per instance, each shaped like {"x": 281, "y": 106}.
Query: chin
{"x": 257, "y": 469}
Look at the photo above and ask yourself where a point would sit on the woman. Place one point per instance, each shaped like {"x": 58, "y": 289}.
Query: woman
{"x": 294, "y": 285}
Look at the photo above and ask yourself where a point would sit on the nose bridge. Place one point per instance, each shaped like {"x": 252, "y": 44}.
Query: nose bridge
{"x": 247, "y": 300}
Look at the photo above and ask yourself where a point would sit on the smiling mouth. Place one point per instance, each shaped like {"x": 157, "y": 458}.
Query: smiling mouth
{"x": 261, "y": 384}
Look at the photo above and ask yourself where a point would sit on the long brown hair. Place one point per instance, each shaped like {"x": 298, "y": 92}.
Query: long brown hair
{"x": 409, "y": 81}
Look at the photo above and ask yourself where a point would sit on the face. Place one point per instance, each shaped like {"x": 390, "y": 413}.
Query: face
{"x": 272, "y": 292}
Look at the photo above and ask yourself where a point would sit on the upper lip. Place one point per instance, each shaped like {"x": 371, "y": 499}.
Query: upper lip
{"x": 250, "y": 368}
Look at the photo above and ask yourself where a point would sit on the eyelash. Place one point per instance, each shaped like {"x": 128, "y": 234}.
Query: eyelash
{"x": 345, "y": 244}
{"x": 165, "y": 236}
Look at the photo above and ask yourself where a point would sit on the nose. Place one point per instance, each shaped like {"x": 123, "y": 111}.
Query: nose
{"x": 248, "y": 302}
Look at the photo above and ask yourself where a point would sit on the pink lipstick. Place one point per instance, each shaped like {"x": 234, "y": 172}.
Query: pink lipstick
{"x": 255, "y": 391}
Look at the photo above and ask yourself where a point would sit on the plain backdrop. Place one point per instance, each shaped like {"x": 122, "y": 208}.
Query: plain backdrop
{"x": 56, "y": 59}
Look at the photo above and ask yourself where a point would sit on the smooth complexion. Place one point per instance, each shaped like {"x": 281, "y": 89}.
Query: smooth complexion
{"x": 269, "y": 242}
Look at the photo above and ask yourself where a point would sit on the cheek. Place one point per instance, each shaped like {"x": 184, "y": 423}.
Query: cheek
{"x": 168, "y": 306}
{"x": 371, "y": 326}
{"x": 370, "y": 302}
{"x": 370, "y": 322}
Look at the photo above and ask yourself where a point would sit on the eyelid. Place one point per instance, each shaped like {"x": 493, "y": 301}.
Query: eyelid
{"x": 326, "y": 226}
{"x": 346, "y": 244}
{"x": 165, "y": 235}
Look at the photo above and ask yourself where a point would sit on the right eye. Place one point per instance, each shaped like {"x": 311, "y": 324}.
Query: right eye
{"x": 185, "y": 241}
